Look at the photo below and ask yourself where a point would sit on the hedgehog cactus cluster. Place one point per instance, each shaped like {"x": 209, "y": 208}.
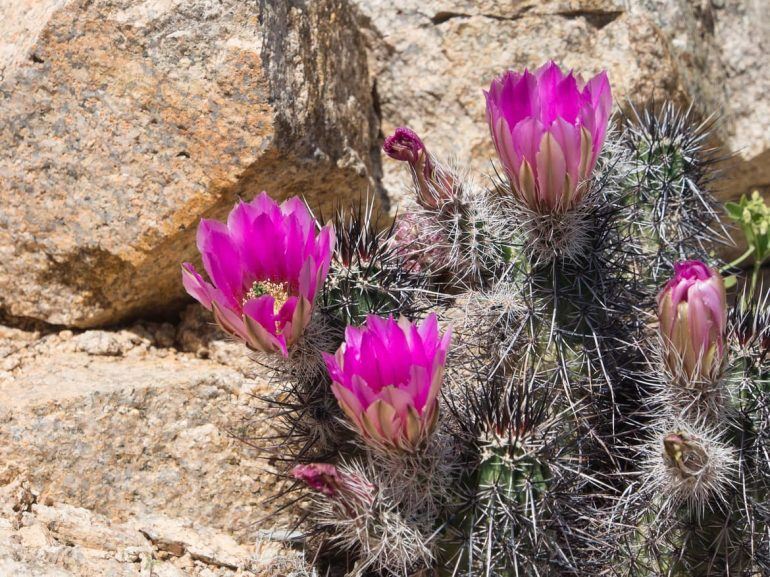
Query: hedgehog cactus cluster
{"x": 539, "y": 373}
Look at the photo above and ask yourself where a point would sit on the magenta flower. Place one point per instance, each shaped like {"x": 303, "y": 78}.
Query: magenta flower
{"x": 433, "y": 184}
{"x": 693, "y": 315}
{"x": 266, "y": 265}
{"x": 548, "y": 130}
{"x": 387, "y": 376}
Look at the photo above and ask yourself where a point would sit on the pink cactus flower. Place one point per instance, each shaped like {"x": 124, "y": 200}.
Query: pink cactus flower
{"x": 548, "y": 129}
{"x": 434, "y": 185}
{"x": 693, "y": 315}
{"x": 266, "y": 265}
{"x": 387, "y": 376}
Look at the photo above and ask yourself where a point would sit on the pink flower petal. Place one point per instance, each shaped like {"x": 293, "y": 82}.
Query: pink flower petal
{"x": 348, "y": 401}
{"x": 568, "y": 137}
{"x": 229, "y": 320}
{"x": 221, "y": 259}
{"x": 551, "y": 170}
{"x": 196, "y": 286}
{"x": 261, "y": 309}
{"x": 300, "y": 310}
{"x": 527, "y": 137}
{"x": 515, "y": 97}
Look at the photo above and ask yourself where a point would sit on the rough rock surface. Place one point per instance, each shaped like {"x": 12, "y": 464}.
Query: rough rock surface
{"x": 123, "y": 122}
{"x": 721, "y": 49}
{"x": 41, "y": 538}
{"x": 125, "y": 424}
{"x": 430, "y": 60}
{"x": 121, "y": 454}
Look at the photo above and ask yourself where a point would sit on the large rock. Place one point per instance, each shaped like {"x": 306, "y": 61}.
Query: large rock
{"x": 122, "y": 122}
{"x": 430, "y": 60}
{"x": 124, "y": 424}
{"x": 58, "y": 540}
{"x": 721, "y": 48}
{"x": 125, "y": 121}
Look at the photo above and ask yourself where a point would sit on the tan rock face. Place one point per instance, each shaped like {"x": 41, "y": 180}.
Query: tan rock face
{"x": 119, "y": 456}
{"x": 120, "y": 424}
{"x": 59, "y": 540}
{"x": 125, "y": 122}
{"x": 721, "y": 49}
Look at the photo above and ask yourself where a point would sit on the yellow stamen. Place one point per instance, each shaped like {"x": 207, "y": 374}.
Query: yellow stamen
{"x": 278, "y": 291}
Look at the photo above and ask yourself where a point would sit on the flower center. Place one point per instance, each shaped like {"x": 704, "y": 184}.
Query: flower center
{"x": 265, "y": 287}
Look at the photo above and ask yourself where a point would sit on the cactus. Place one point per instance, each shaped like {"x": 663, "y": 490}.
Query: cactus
{"x": 457, "y": 218}
{"x": 567, "y": 430}
{"x": 370, "y": 274}
{"x": 671, "y": 165}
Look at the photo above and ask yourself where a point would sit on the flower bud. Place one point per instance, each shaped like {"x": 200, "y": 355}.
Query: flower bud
{"x": 695, "y": 467}
{"x": 320, "y": 477}
{"x": 434, "y": 185}
{"x": 692, "y": 313}
{"x": 345, "y": 487}
{"x": 684, "y": 455}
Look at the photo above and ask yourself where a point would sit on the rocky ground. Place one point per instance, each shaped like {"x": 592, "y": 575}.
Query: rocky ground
{"x": 118, "y": 456}
{"x": 49, "y": 539}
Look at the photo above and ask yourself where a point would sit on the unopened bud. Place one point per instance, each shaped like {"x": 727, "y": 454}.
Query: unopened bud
{"x": 348, "y": 489}
{"x": 693, "y": 315}
{"x": 685, "y": 454}
{"x": 434, "y": 186}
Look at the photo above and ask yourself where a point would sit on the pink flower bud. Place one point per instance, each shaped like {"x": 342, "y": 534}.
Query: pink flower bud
{"x": 346, "y": 488}
{"x": 387, "y": 376}
{"x": 266, "y": 265}
{"x": 434, "y": 186}
{"x": 320, "y": 477}
{"x": 405, "y": 145}
{"x": 692, "y": 313}
{"x": 548, "y": 129}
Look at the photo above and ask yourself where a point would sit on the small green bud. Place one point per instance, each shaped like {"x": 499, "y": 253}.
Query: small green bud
{"x": 746, "y": 216}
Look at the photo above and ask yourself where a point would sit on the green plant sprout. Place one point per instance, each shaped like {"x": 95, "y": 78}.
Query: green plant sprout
{"x": 753, "y": 216}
